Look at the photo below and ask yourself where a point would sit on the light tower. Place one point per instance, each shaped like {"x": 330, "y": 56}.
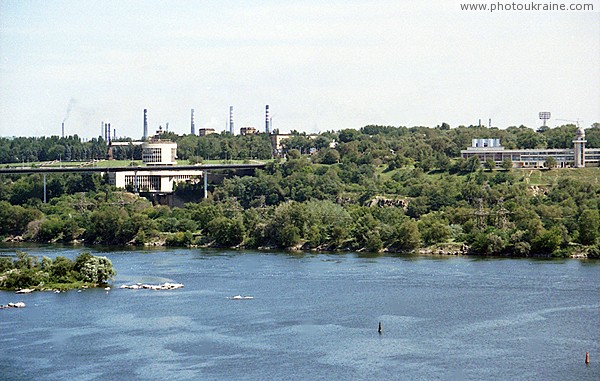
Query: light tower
{"x": 579, "y": 147}
{"x": 544, "y": 115}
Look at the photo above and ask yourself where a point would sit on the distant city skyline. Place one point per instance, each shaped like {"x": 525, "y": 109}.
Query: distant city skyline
{"x": 318, "y": 65}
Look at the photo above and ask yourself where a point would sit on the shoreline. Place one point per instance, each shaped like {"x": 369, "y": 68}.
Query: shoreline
{"x": 442, "y": 250}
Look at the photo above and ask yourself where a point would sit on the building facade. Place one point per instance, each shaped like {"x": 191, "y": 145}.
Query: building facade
{"x": 148, "y": 181}
{"x": 155, "y": 152}
{"x": 206, "y": 131}
{"x": 248, "y": 131}
{"x": 577, "y": 157}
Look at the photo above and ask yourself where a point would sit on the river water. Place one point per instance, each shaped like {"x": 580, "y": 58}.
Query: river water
{"x": 312, "y": 317}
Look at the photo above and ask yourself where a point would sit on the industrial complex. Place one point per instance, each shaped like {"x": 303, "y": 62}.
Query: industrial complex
{"x": 160, "y": 152}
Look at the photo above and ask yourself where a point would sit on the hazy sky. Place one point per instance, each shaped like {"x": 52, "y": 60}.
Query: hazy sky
{"x": 320, "y": 65}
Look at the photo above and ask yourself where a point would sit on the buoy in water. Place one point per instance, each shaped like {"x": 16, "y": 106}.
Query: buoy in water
{"x": 379, "y": 330}
{"x": 587, "y": 358}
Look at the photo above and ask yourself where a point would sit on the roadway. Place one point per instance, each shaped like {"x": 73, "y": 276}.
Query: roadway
{"x": 201, "y": 167}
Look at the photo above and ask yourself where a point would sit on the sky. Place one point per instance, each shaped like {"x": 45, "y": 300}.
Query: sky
{"x": 319, "y": 65}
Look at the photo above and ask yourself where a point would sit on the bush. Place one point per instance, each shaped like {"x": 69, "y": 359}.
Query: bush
{"x": 60, "y": 270}
{"x": 409, "y": 237}
{"x": 98, "y": 270}
{"x": 180, "y": 239}
{"x": 226, "y": 231}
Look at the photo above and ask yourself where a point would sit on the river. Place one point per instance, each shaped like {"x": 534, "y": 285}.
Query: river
{"x": 312, "y": 317}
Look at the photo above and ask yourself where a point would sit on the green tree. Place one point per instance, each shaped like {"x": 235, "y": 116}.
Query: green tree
{"x": 434, "y": 228}
{"x": 549, "y": 241}
{"x": 60, "y": 270}
{"x": 408, "y": 234}
{"x": 293, "y": 154}
{"x": 287, "y": 235}
{"x": 226, "y": 231}
{"x": 98, "y": 270}
{"x": 488, "y": 243}
{"x": 330, "y": 156}
{"x": 589, "y": 223}
{"x": 472, "y": 164}
{"x": 550, "y": 162}
{"x": 507, "y": 164}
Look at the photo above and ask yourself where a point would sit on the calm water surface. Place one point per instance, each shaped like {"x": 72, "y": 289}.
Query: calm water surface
{"x": 313, "y": 317}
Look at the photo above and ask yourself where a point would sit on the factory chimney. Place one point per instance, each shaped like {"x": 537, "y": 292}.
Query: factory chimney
{"x": 490, "y": 123}
{"x": 193, "y": 127}
{"x": 231, "y": 120}
{"x": 108, "y": 133}
{"x": 145, "y": 125}
{"x": 63, "y": 130}
{"x": 267, "y": 119}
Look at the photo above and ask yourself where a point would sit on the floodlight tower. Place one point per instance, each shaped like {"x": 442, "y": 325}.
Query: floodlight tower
{"x": 544, "y": 115}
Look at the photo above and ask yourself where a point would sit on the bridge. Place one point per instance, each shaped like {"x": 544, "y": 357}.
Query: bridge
{"x": 205, "y": 168}
{"x": 66, "y": 169}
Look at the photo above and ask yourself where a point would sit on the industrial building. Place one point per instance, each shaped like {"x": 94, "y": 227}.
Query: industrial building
{"x": 576, "y": 157}
{"x": 206, "y": 131}
{"x": 248, "y": 130}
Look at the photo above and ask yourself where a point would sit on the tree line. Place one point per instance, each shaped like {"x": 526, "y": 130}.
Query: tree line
{"x": 377, "y": 189}
{"x": 190, "y": 147}
{"x": 430, "y": 147}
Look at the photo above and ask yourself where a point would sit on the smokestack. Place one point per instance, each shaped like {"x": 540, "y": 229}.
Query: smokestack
{"x": 479, "y": 122}
{"x": 145, "y": 125}
{"x": 108, "y": 133}
{"x": 63, "y": 130}
{"x": 114, "y": 133}
{"x": 102, "y": 128}
{"x": 231, "y": 120}
{"x": 267, "y": 119}
{"x": 490, "y": 123}
{"x": 193, "y": 127}
{"x": 167, "y": 127}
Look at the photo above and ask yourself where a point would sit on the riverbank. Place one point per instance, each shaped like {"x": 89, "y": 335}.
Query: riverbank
{"x": 443, "y": 249}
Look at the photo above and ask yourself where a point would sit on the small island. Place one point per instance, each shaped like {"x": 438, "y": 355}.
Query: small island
{"x": 27, "y": 272}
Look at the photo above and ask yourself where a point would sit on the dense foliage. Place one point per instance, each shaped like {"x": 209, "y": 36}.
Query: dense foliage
{"x": 25, "y": 271}
{"x": 377, "y": 188}
{"x": 190, "y": 147}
